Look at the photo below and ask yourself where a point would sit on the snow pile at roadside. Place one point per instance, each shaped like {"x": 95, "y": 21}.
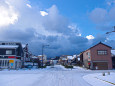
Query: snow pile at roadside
{"x": 81, "y": 68}
{"x": 97, "y": 79}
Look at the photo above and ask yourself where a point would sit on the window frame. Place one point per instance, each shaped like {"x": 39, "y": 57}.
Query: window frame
{"x": 102, "y": 52}
{"x": 9, "y": 52}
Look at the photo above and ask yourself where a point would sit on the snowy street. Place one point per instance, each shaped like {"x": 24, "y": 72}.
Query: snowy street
{"x": 57, "y": 76}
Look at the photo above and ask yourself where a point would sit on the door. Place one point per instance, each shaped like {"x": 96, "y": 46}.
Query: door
{"x": 100, "y": 65}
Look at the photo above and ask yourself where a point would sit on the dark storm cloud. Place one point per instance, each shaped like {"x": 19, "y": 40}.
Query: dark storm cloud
{"x": 17, "y": 34}
{"x": 99, "y": 38}
{"x": 77, "y": 39}
{"x": 51, "y": 38}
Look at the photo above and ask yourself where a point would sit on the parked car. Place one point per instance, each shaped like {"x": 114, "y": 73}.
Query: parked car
{"x": 28, "y": 66}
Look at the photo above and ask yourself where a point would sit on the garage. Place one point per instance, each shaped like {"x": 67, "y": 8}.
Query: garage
{"x": 100, "y": 65}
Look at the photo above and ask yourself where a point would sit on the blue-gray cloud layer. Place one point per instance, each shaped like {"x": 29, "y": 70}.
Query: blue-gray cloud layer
{"x": 52, "y": 29}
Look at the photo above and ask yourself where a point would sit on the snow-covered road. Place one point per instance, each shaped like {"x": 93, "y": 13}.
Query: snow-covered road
{"x": 57, "y": 76}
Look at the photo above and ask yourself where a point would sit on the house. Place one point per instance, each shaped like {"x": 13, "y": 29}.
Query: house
{"x": 44, "y": 58}
{"x": 113, "y": 58}
{"x": 63, "y": 59}
{"x": 78, "y": 60}
{"x": 55, "y": 60}
{"x": 66, "y": 60}
{"x": 11, "y": 55}
{"x": 71, "y": 60}
{"x": 74, "y": 60}
{"x": 97, "y": 57}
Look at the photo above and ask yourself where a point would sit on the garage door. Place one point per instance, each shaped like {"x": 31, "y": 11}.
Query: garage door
{"x": 101, "y": 65}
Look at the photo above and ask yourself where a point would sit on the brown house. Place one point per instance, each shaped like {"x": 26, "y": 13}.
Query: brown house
{"x": 98, "y": 57}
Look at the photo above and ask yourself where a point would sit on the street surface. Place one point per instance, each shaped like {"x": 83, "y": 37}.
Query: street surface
{"x": 57, "y": 76}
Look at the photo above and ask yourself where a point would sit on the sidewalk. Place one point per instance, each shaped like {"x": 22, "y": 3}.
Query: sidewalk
{"x": 97, "y": 79}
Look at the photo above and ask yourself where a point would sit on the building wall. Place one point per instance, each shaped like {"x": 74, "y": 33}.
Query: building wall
{"x": 3, "y": 51}
{"x": 18, "y": 53}
{"x": 86, "y": 58}
{"x": 96, "y": 57}
{"x": 5, "y": 63}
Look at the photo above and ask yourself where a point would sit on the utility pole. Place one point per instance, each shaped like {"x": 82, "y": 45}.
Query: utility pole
{"x": 42, "y": 53}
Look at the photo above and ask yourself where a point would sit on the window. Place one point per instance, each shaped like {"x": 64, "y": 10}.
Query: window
{"x": 8, "y": 52}
{"x": 102, "y": 52}
{"x": 88, "y": 53}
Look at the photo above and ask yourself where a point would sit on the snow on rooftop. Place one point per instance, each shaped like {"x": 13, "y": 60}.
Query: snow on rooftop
{"x": 39, "y": 55}
{"x": 23, "y": 45}
{"x": 113, "y": 52}
{"x": 64, "y": 59}
{"x": 78, "y": 59}
{"x": 34, "y": 57}
{"x": 74, "y": 56}
{"x": 8, "y": 46}
{"x": 69, "y": 57}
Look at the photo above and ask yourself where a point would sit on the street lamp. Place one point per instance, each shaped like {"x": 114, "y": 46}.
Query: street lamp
{"x": 111, "y": 31}
{"x": 42, "y": 53}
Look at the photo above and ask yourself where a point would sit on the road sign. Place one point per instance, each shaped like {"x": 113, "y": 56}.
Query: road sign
{"x": 11, "y": 61}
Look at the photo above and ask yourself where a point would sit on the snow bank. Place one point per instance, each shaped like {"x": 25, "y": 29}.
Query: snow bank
{"x": 97, "y": 79}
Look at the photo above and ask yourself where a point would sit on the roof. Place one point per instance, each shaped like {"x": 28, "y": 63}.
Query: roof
{"x": 34, "y": 57}
{"x": 78, "y": 59}
{"x": 64, "y": 59}
{"x": 8, "y": 46}
{"x": 96, "y": 45}
{"x": 70, "y": 57}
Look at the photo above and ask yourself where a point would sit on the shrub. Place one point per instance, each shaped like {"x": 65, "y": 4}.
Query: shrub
{"x": 43, "y": 66}
{"x": 68, "y": 66}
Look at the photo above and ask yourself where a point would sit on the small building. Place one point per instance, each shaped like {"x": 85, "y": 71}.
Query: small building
{"x": 11, "y": 55}
{"x": 67, "y": 60}
{"x": 70, "y": 60}
{"x": 97, "y": 57}
{"x": 63, "y": 59}
{"x": 78, "y": 60}
{"x": 55, "y": 60}
{"x": 44, "y": 58}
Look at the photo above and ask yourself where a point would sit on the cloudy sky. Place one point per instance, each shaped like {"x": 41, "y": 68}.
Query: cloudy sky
{"x": 69, "y": 27}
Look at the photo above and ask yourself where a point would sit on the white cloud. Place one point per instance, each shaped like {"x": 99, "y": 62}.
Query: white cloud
{"x": 28, "y": 5}
{"x": 43, "y": 13}
{"x": 7, "y": 15}
{"x": 90, "y": 37}
{"x": 75, "y": 29}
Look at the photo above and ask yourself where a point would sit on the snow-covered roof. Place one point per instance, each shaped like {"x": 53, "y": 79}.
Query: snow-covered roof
{"x": 70, "y": 57}
{"x": 34, "y": 57}
{"x": 23, "y": 45}
{"x": 8, "y": 46}
{"x": 74, "y": 56}
{"x": 78, "y": 59}
{"x": 78, "y": 55}
{"x": 39, "y": 55}
{"x": 113, "y": 52}
{"x": 64, "y": 59}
